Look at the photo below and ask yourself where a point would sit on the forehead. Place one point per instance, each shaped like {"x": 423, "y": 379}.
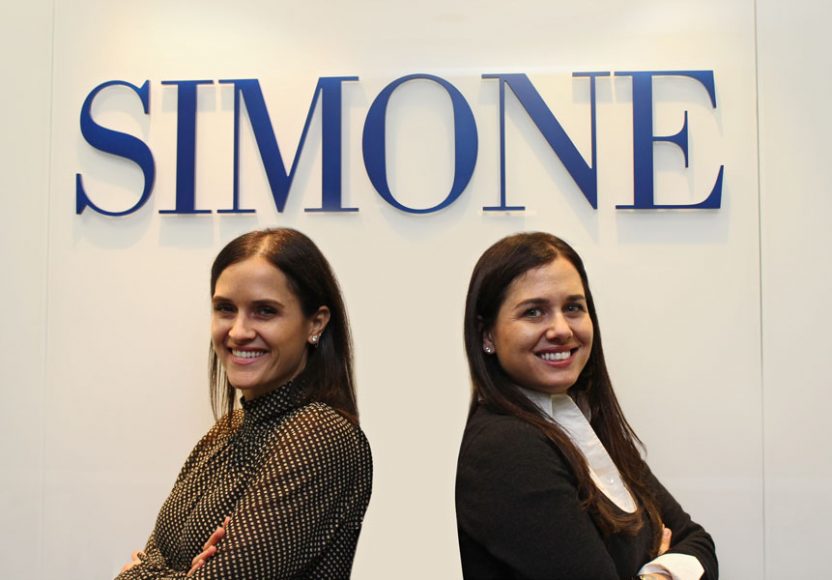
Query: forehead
{"x": 254, "y": 278}
{"x": 558, "y": 278}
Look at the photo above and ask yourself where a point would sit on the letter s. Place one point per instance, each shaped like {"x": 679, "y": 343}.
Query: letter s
{"x": 116, "y": 143}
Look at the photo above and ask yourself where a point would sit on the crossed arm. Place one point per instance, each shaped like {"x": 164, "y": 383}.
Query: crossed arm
{"x": 294, "y": 505}
{"x": 518, "y": 507}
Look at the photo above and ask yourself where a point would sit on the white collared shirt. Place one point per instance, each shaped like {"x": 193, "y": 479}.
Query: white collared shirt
{"x": 563, "y": 411}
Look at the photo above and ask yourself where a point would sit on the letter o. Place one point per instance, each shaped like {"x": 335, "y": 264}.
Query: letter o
{"x": 375, "y": 137}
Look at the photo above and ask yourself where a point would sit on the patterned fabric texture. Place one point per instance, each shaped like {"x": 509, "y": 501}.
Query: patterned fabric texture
{"x": 295, "y": 479}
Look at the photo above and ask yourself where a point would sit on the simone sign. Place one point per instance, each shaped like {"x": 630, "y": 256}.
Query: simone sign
{"x": 328, "y": 90}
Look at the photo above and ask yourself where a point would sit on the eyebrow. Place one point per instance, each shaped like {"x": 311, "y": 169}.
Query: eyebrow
{"x": 264, "y": 302}
{"x": 532, "y": 302}
{"x": 544, "y": 301}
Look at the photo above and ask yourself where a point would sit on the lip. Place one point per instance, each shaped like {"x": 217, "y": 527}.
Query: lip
{"x": 556, "y": 349}
{"x": 553, "y": 350}
{"x": 245, "y": 361}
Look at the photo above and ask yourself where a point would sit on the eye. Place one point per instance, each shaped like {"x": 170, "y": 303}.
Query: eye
{"x": 265, "y": 311}
{"x": 574, "y": 308}
{"x": 534, "y": 312}
{"x": 223, "y": 308}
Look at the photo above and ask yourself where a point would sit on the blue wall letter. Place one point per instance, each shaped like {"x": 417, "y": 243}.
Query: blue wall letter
{"x": 585, "y": 175}
{"x": 186, "y": 146}
{"x": 643, "y": 138}
{"x": 375, "y": 137}
{"x": 280, "y": 180}
{"x": 115, "y": 143}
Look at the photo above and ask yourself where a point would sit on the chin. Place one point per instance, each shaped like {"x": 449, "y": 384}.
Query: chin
{"x": 244, "y": 384}
{"x": 559, "y": 387}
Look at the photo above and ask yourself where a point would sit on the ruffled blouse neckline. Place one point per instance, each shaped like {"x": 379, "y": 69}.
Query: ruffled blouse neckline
{"x": 278, "y": 402}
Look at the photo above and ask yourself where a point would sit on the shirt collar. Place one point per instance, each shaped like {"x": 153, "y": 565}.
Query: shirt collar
{"x": 563, "y": 411}
{"x": 274, "y": 403}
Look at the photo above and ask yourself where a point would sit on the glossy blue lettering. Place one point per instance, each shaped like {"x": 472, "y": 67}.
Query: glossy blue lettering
{"x": 280, "y": 181}
{"x": 115, "y": 143}
{"x": 186, "y": 146}
{"x": 643, "y": 139}
{"x": 375, "y": 137}
{"x": 585, "y": 174}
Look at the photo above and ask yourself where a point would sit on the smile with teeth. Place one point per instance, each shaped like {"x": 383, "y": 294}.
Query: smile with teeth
{"x": 553, "y": 356}
{"x": 247, "y": 353}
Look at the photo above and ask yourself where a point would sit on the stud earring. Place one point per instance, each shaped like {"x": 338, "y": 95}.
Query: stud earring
{"x": 314, "y": 340}
{"x": 487, "y": 349}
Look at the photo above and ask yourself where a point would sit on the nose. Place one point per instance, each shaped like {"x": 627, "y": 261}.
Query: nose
{"x": 240, "y": 330}
{"x": 559, "y": 330}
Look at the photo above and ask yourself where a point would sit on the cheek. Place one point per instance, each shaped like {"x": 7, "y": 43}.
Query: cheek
{"x": 511, "y": 342}
{"x": 504, "y": 331}
{"x": 590, "y": 334}
{"x": 522, "y": 336}
{"x": 286, "y": 338}
{"x": 584, "y": 331}
{"x": 218, "y": 332}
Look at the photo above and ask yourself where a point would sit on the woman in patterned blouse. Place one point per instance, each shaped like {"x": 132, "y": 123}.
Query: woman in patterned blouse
{"x": 277, "y": 489}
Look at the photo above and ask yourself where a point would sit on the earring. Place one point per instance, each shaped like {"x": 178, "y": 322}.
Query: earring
{"x": 314, "y": 340}
{"x": 488, "y": 349}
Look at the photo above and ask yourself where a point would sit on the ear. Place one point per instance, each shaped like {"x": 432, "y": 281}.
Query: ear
{"x": 317, "y": 324}
{"x": 487, "y": 337}
{"x": 488, "y": 342}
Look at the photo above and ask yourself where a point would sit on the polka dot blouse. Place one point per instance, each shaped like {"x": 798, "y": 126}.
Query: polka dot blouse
{"x": 295, "y": 479}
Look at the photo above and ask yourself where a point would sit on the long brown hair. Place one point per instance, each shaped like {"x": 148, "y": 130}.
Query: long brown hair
{"x": 496, "y": 269}
{"x": 328, "y": 373}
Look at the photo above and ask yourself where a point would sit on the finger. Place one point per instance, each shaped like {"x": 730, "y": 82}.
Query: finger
{"x": 197, "y": 565}
{"x": 204, "y": 555}
{"x": 667, "y": 535}
{"x": 215, "y": 537}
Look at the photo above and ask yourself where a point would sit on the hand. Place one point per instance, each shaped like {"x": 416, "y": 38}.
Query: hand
{"x": 664, "y": 546}
{"x": 210, "y": 547}
{"x": 134, "y": 561}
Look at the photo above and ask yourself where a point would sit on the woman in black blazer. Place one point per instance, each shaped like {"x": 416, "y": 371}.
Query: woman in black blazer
{"x": 550, "y": 481}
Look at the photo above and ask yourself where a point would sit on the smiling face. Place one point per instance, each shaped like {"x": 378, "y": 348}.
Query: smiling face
{"x": 542, "y": 335}
{"x": 258, "y": 330}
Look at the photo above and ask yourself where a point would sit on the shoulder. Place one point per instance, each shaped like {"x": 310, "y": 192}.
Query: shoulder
{"x": 323, "y": 420}
{"x": 508, "y": 447}
{"x": 317, "y": 426}
{"x": 219, "y": 433}
{"x": 213, "y": 442}
{"x": 490, "y": 432}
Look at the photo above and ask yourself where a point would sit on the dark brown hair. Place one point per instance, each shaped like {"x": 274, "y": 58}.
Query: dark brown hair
{"x": 496, "y": 269}
{"x": 328, "y": 373}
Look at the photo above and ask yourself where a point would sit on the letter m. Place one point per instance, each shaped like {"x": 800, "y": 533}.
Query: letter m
{"x": 280, "y": 180}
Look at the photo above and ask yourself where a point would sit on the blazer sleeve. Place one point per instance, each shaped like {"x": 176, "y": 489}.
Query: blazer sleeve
{"x": 688, "y": 536}
{"x": 309, "y": 487}
{"x": 517, "y": 499}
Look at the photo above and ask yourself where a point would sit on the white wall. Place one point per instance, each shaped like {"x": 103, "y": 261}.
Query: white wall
{"x": 797, "y": 283}
{"x": 96, "y": 427}
{"x": 24, "y": 149}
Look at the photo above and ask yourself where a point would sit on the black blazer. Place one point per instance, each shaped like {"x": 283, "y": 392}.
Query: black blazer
{"x": 519, "y": 515}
